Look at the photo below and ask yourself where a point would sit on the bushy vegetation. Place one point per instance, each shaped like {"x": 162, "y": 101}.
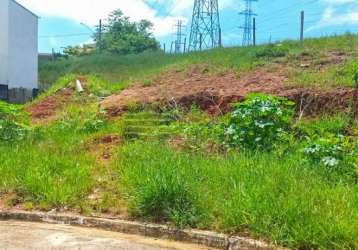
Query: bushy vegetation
{"x": 12, "y": 127}
{"x": 351, "y": 72}
{"x": 272, "y": 51}
{"x": 337, "y": 154}
{"x": 260, "y": 122}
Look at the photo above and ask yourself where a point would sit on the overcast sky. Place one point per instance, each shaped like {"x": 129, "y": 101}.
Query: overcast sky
{"x": 60, "y": 22}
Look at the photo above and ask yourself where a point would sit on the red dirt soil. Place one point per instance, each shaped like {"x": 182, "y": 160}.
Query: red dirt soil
{"x": 216, "y": 93}
{"x": 46, "y": 109}
{"x": 102, "y": 147}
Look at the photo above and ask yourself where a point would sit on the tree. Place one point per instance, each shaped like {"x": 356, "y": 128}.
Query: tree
{"x": 86, "y": 49}
{"x": 121, "y": 36}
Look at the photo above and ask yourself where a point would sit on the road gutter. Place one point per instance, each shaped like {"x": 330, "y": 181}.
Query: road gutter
{"x": 205, "y": 238}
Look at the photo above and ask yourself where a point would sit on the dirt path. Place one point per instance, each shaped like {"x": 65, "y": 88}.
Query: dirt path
{"x": 24, "y": 235}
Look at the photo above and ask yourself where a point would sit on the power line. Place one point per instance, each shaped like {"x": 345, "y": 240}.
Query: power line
{"x": 277, "y": 12}
{"x": 66, "y": 35}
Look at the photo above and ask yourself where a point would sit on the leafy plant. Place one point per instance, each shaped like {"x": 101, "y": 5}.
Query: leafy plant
{"x": 11, "y": 131}
{"x": 353, "y": 71}
{"x": 8, "y": 110}
{"x": 200, "y": 135}
{"x": 93, "y": 125}
{"x": 335, "y": 153}
{"x": 259, "y": 122}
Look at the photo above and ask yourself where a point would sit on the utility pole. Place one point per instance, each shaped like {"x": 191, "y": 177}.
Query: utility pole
{"x": 254, "y": 32}
{"x": 205, "y": 25}
{"x": 302, "y": 27}
{"x": 201, "y": 42}
{"x": 179, "y": 37}
{"x": 100, "y": 35}
{"x": 248, "y": 18}
{"x": 53, "y": 54}
{"x": 220, "y": 39}
{"x": 171, "y": 48}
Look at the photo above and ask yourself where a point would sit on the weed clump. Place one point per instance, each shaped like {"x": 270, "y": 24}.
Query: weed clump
{"x": 166, "y": 195}
{"x": 352, "y": 70}
{"x": 335, "y": 153}
{"x": 260, "y": 122}
{"x": 11, "y": 130}
{"x": 271, "y": 51}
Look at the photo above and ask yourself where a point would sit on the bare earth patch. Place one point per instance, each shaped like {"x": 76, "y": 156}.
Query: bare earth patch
{"x": 216, "y": 93}
{"x": 45, "y": 110}
{"x": 102, "y": 147}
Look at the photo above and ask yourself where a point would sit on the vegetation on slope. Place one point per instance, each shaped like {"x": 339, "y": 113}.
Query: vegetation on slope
{"x": 121, "y": 71}
{"x": 258, "y": 170}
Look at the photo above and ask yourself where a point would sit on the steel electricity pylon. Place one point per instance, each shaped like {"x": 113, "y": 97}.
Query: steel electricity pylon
{"x": 205, "y": 26}
{"x": 180, "y": 42}
{"x": 248, "y": 23}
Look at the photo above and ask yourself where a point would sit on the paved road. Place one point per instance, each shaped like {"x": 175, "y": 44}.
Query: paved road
{"x": 23, "y": 235}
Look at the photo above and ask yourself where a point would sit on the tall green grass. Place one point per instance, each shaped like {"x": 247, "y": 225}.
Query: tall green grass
{"x": 51, "y": 164}
{"x": 45, "y": 174}
{"x": 123, "y": 70}
{"x": 278, "y": 198}
{"x": 51, "y": 169}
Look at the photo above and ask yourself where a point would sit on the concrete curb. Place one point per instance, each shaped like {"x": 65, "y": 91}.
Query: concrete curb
{"x": 205, "y": 238}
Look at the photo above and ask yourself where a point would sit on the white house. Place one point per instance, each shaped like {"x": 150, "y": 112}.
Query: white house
{"x": 18, "y": 51}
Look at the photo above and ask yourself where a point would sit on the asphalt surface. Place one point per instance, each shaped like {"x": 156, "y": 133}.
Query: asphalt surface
{"x": 24, "y": 235}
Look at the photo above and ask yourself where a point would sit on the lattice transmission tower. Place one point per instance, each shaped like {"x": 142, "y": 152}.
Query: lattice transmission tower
{"x": 248, "y": 23}
{"x": 205, "y": 26}
{"x": 180, "y": 41}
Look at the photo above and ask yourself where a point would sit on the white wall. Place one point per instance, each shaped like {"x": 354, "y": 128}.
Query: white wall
{"x": 4, "y": 7}
{"x": 22, "y": 48}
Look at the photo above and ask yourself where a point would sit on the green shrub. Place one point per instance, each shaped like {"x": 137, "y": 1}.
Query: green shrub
{"x": 259, "y": 122}
{"x": 8, "y": 110}
{"x": 93, "y": 125}
{"x": 271, "y": 51}
{"x": 202, "y": 134}
{"x": 322, "y": 126}
{"x": 348, "y": 73}
{"x": 197, "y": 129}
{"x": 10, "y": 131}
{"x": 335, "y": 153}
{"x": 353, "y": 71}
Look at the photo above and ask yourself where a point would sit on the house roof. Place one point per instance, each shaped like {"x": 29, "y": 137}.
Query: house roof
{"x": 20, "y": 5}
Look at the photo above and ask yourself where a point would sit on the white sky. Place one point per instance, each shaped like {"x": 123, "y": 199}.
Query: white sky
{"x": 90, "y": 11}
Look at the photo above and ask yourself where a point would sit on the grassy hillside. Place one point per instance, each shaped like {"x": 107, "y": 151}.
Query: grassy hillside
{"x": 261, "y": 170}
{"x": 120, "y": 71}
